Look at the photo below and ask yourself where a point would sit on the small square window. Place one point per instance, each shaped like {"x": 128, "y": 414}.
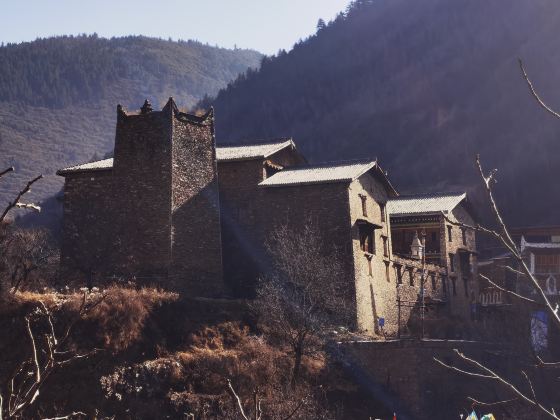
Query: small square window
{"x": 449, "y": 233}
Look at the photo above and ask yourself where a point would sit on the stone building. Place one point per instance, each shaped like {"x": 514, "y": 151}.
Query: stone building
{"x": 447, "y": 245}
{"x": 174, "y": 209}
{"x": 152, "y": 210}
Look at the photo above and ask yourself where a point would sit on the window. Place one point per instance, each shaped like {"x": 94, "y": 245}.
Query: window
{"x": 367, "y": 240}
{"x": 382, "y": 208}
{"x": 449, "y": 233}
{"x": 370, "y": 271}
{"x": 454, "y": 284}
{"x": 547, "y": 263}
{"x": 399, "y": 273}
{"x": 385, "y": 246}
{"x": 411, "y": 276}
{"x": 433, "y": 277}
{"x": 464, "y": 235}
{"x": 364, "y": 204}
{"x": 387, "y": 271}
{"x": 434, "y": 237}
{"x": 452, "y": 262}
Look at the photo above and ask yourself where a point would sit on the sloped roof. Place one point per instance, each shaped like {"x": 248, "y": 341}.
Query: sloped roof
{"x": 91, "y": 166}
{"x": 251, "y": 151}
{"x": 538, "y": 245}
{"x": 424, "y": 203}
{"x": 223, "y": 154}
{"x": 315, "y": 174}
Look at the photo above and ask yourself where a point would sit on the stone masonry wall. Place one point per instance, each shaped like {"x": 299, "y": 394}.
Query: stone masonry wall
{"x": 196, "y": 238}
{"x": 375, "y": 292}
{"x": 460, "y": 296}
{"x": 240, "y": 199}
{"x": 142, "y": 189}
{"x": 404, "y": 376}
{"x": 87, "y": 249}
{"x": 326, "y": 206}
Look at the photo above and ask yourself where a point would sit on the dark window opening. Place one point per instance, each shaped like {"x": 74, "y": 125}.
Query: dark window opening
{"x": 464, "y": 235}
{"x": 399, "y": 273}
{"x": 434, "y": 237}
{"x": 387, "y": 271}
{"x": 452, "y": 262}
{"x": 449, "y": 233}
{"x": 385, "y": 246}
{"x": 411, "y": 276}
{"x": 367, "y": 239}
{"x": 364, "y": 204}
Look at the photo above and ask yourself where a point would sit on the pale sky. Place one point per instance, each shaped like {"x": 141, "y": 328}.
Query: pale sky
{"x": 264, "y": 25}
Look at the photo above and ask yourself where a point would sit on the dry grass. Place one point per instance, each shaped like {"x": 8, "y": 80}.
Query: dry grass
{"x": 118, "y": 313}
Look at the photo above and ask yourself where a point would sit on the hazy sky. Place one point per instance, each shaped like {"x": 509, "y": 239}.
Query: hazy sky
{"x": 265, "y": 25}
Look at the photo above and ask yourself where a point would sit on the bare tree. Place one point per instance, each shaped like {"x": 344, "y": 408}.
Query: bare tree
{"x": 16, "y": 203}
{"x": 48, "y": 352}
{"x": 26, "y": 252}
{"x": 304, "y": 293}
{"x": 256, "y": 403}
{"x": 502, "y": 234}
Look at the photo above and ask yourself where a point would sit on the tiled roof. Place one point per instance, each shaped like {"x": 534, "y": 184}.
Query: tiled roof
{"x": 331, "y": 172}
{"x": 225, "y": 154}
{"x": 424, "y": 203}
{"x": 251, "y": 151}
{"x": 91, "y": 166}
{"x": 538, "y": 245}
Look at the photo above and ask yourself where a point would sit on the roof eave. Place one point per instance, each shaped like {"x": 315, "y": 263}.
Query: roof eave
{"x": 65, "y": 172}
{"x": 296, "y": 184}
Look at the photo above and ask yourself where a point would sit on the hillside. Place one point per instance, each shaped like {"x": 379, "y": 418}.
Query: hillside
{"x": 423, "y": 86}
{"x": 58, "y": 96}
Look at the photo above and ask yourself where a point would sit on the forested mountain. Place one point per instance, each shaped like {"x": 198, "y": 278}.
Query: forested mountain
{"x": 423, "y": 86}
{"x": 58, "y": 96}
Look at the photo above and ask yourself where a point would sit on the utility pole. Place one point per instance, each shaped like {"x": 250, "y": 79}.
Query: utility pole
{"x": 423, "y": 278}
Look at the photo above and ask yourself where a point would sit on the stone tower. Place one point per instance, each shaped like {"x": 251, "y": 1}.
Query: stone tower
{"x": 166, "y": 206}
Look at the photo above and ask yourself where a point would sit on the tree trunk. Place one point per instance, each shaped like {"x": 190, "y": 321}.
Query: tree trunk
{"x": 298, "y": 353}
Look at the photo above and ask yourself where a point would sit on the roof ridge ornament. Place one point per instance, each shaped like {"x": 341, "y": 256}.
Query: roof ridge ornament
{"x": 146, "y": 108}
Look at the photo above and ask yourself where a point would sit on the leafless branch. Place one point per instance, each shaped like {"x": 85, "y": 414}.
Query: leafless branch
{"x": 533, "y": 401}
{"x": 547, "y": 364}
{"x": 237, "y": 400}
{"x": 295, "y": 410}
{"x": 67, "y": 417}
{"x": 511, "y": 292}
{"x": 4, "y": 172}
{"x": 534, "y": 92}
{"x": 505, "y": 238}
{"x": 464, "y": 372}
{"x": 477, "y": 402}
{"x": 17, "y": 202}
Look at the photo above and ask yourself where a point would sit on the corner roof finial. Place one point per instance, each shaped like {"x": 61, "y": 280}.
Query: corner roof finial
{"x": 147, "y": 107}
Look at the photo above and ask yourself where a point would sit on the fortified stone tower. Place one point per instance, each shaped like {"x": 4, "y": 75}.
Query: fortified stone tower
{"x": 167, "y": 196}
{"x": 160, "y": 203}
